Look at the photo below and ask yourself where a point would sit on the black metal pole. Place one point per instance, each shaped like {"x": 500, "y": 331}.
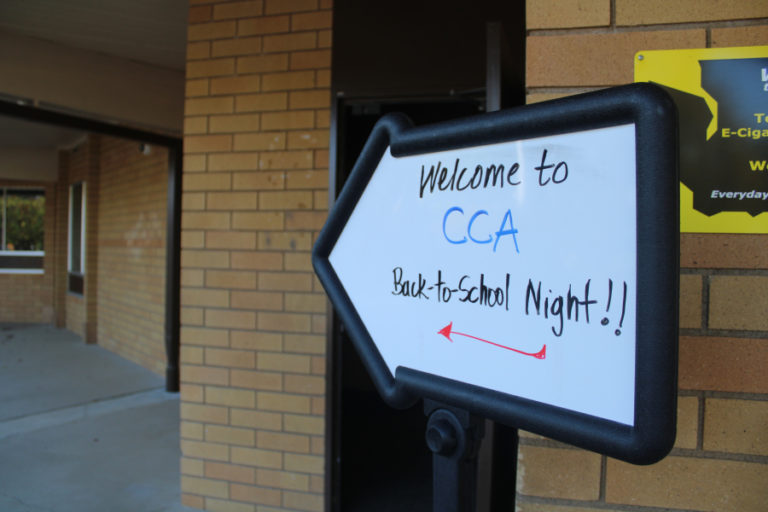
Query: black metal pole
{"x": 453, "y": 436}
{"x": 504, "y": 468}
{"x": 173, "y": 269}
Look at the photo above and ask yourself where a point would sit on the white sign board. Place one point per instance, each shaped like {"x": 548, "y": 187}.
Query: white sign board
{"x": 520, "y": 265}
{"x": 517, "y": 246}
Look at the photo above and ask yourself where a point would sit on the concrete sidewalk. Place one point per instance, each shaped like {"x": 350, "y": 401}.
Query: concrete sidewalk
{"x": 82, "y": 429}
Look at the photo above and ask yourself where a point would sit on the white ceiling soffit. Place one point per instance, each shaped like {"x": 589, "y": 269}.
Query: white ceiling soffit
{"x": 148, "y": 31}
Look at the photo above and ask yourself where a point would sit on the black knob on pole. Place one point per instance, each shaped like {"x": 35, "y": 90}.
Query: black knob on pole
{"x": 441, "y": 437}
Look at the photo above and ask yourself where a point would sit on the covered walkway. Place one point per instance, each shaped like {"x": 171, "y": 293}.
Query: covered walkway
{"x": 82, "y": 429}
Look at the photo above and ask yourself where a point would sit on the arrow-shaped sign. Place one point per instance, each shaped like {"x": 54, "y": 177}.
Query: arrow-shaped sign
{"x": 516, "y": 223}
{"x": 479, "y": 234}
{"x": 448, "y": 330}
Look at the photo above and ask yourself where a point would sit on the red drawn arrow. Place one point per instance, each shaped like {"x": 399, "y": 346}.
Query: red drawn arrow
{"x": 448, "y": 330}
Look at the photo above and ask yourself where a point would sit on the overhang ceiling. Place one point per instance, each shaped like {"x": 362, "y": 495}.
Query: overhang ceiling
{"x": 18, "y": 133}
{"x": 147, "y": 31}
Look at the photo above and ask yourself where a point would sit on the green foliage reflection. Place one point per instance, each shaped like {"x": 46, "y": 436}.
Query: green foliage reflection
{"x": 25, "y": 214}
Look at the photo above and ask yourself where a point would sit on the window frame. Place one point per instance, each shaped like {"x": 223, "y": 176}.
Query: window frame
{"x": 8, "y": 256}
{"x": 75, "y": 276}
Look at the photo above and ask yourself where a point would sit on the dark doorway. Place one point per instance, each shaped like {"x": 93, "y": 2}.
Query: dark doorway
{"x": 380, "y": 459}
{"x": 433, "y": 60}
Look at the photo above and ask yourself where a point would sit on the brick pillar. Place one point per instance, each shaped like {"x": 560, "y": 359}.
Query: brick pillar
{"x": 60, "y": 241}
{"x": 719, "y": 461}
{"x": 255, "y": 195}
{"x": 92, "y": 240}
{"x": 79, "y": 313}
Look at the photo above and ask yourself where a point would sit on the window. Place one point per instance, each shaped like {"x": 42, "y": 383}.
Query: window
{"x": 22, "y": 219}
{"x": 76, "y": 250}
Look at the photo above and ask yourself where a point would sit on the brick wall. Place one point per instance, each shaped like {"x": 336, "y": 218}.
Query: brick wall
{"x": 255, "y": 187}
{"x": 59, "y": 246}
{"x": 92, "y": 216}
{"x": 131, "y": 251}
{"x": 720, "y": 459}
{"x": 28, "y": 298}
{"x": 78, "y": 312}
{"x": 123, "y": 304}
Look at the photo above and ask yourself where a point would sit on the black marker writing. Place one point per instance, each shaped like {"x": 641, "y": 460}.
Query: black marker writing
{"x": 491, "y": 176}
{"x": 408, "y": 288}
{"x": 558, "y": 175}
{"x": 560, "y": 307}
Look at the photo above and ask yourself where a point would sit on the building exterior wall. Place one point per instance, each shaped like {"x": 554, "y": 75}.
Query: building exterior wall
{"x": 60, "y": 240}
{"x": 91, "y": 255}
{"x": 719, "y": 460}
{"x": 255, "y": 195}
{"x": 28, "y": 298}
{"x": 122, "y": 307}
{"x": 79, "y": 164}
{"x": 253, "y": 316}
{"x": 131, "y": 251}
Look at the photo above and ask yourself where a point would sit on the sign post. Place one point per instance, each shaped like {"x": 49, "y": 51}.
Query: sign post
{"x": 520, "y": 265}
{"x": 453, "y": 436}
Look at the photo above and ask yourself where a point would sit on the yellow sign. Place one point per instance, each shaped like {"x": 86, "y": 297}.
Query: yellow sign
{"x": 722, "y": 99}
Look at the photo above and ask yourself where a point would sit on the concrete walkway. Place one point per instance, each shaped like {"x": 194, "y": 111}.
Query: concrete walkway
{"x": 82, "y": 429}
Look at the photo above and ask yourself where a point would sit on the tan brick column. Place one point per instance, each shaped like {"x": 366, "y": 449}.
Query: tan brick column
{"x": 255, "y": 195}
{"x": 720, "y": 460}
{"x": 91, "y": 255}
{"x": 79, "y": 313}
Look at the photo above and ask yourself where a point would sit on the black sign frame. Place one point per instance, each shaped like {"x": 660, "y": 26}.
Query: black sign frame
{"x": 655, "y": 118}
